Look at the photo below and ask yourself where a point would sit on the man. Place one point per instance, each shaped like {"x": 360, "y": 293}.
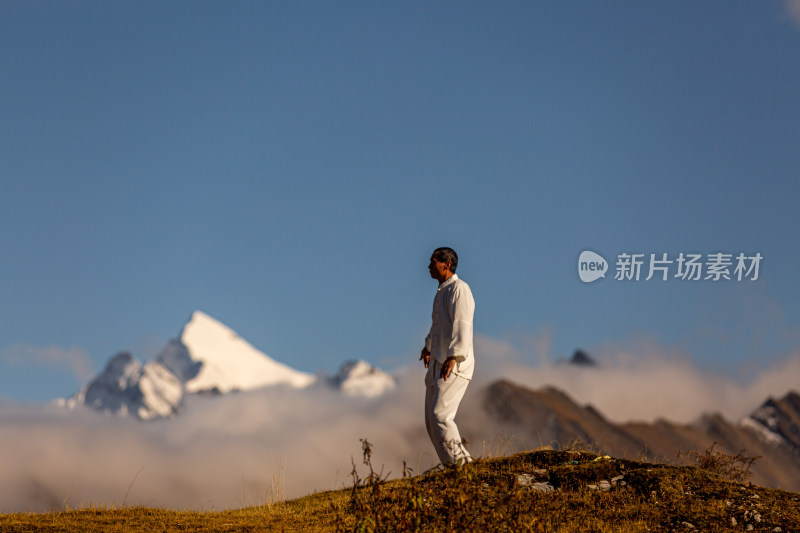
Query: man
{"x": 448, "y": 356}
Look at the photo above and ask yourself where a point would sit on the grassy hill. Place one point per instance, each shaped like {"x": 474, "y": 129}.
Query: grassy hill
{"x": 531, "y": 491}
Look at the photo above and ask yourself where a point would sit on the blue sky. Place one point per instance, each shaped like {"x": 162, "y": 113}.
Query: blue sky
{"x": 289, "y": 167}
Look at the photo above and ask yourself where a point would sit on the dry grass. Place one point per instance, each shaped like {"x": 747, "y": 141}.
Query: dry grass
{"x": 483, "y": 496}
{"x": 735, "y": 467}
{"x": 311, "y": 513}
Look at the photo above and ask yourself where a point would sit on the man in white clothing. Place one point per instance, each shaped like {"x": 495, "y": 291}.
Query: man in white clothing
{"x": 448, "y": 356}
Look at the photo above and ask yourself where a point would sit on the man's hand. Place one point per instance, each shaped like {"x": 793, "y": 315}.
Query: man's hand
{"x": 425, "y": 356}
{"x": 448, "y": 365}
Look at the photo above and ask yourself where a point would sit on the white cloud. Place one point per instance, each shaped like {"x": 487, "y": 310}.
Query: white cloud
{"x": 218, "y": 453}
{"x": 74, "y": 360}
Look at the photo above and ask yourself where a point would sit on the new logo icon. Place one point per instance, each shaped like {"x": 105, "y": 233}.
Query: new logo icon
{"x": 591, "y": 266}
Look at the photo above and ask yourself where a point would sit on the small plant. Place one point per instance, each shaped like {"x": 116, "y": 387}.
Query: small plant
{"x": 735, "y": 467}
{"x": 365, "y": 494}
{"x": 500, "y": 447}
{"x": 274, "y": 494}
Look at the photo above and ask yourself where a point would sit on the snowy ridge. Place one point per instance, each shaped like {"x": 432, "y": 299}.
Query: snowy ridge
{"x": 126, "y": 387}
{"x": 766, "y": 434}
{"x": 777, "y": 421}
{"x": 209, "y": 356}
{"x": 764, "y": 421}
{"x": 359, "y": 378}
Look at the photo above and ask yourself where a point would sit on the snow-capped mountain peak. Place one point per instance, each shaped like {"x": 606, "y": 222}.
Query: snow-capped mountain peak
{"x": 207, "y": 356}
{"x": 127, "y": 387}
{"x": 359, "y": 378}
{"x": 210, "y": 356}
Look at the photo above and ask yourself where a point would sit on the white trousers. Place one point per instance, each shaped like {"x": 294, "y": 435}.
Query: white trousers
{"x": 441, "y": 403}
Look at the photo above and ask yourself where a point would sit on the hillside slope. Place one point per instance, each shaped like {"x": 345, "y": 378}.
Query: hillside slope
{"x": 531, "y": 491}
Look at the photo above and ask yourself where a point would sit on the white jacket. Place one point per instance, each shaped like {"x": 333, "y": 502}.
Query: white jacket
{"x": 451, "y": 330}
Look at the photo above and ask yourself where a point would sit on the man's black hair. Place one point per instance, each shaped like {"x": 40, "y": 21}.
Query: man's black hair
{"x": 447, "y": 254}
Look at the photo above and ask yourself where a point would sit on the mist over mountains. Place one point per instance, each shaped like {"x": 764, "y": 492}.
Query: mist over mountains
{"x": 213, "y": 423}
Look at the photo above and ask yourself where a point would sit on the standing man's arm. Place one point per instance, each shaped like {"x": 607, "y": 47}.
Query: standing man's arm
{"x": 462, "y": 309}
{"x": 426, "y": 351}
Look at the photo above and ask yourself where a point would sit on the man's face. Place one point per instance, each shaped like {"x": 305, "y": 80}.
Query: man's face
{"x": 438, "y": 269}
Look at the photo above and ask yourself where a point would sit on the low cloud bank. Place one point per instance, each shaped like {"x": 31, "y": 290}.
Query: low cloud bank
{"x": 251, "y": 448}
{"x": 224, "y": 452}
{"x": 643, "y": 381}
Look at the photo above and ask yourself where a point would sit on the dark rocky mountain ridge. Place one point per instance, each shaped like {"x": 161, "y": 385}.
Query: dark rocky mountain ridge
{"x": 548, "y": 417}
